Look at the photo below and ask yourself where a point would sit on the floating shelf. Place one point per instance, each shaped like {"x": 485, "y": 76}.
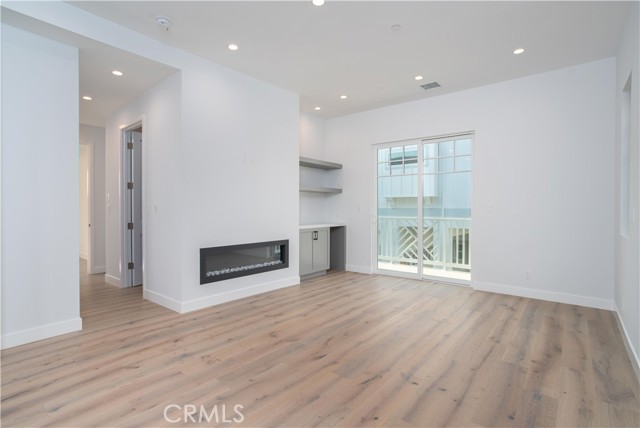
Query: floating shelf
{"x": 319, "y": 189}
{"x": 320, "y": 164}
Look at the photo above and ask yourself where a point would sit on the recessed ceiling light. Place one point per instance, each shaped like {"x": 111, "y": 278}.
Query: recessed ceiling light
{"x": 233, "y": 47}
{"x": 316, "y": 108}
{"x": 518, "y": 51}
{"x": 343, "y": 97}
{"x": 87, "y": 98}
{"x": 117, "y": 73}
{"x": 396, "y": 27}
{"x": 418, "y": 77}
{"x": 317, "y": 2}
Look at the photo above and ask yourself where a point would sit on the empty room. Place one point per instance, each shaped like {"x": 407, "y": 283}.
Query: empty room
{"x": 320, "y": 213}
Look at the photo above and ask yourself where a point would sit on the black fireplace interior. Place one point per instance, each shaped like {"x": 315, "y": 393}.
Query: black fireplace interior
{"x": 233, "y": 261}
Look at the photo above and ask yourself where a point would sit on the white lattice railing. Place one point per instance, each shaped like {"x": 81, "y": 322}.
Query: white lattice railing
{"x": 445, "y": 242}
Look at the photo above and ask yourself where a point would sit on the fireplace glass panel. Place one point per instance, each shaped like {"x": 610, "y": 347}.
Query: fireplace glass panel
{"x": 220, "y": 263}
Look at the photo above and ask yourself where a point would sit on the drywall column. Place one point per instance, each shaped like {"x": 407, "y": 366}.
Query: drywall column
{"x": 240, "y": 166}
{"x": 40, "y": 208}
{"x": 627, "y": 253}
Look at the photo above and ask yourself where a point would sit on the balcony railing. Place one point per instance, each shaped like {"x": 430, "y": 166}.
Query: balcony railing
{"x": 445, "y": 243}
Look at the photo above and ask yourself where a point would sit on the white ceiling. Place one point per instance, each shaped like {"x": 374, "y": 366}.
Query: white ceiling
{"x": 96, "y": 61}
{"x": 348, "y": 47}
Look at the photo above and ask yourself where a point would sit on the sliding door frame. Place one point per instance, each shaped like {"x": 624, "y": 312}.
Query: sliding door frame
{"x": 420, "y": 205}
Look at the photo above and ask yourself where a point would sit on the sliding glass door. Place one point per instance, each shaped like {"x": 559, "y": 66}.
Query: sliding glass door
{"x": 398, "y": 230}
{"x": 446, "y": 207}
{"x": 424, "y": 207}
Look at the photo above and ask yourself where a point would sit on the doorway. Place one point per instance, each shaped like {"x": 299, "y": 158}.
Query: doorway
{"x": 423, "y": 208}
{"x": 132, "y": 254}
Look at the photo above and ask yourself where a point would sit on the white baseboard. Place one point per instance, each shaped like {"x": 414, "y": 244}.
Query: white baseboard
{"x": 97, "y": 269}
{"x": 109, "y": 279}
{"x": 205, "y": 302}
{"x": 162, "y": 300}
{"x": 359, "y": 269}
{"x": 633, "y": 355}
{"x": 42, "y": 332}
{"x": 552, "y": 296}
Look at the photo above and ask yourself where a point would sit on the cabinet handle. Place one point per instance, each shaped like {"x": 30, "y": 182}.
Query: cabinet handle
{"x": 315, "y": 235}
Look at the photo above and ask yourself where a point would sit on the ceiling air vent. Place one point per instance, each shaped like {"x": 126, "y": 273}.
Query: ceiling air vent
{"x": 431, "y": 85}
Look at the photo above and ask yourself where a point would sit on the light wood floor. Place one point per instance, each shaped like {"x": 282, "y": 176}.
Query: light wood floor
{"x": 343, "y": 350}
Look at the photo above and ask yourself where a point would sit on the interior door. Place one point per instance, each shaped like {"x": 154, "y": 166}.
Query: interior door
{"x": 134, "y": 207}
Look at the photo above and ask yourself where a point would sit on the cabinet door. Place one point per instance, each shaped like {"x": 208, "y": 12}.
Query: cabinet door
{"x": 321, "y": 250}
{"x": 306, "y": 252}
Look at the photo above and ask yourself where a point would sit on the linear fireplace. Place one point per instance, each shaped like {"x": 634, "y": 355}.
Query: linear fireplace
{"x": 233, "y": 261}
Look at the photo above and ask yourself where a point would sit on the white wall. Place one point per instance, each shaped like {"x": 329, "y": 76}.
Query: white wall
{"x": 313, "y": 134}
{"x": 542, "y": 178}
{"x": 627, "y": 249}
{"x": 95, "y": 137}
{"x": 40, "y": 209}
{"x": 83, "y": 191}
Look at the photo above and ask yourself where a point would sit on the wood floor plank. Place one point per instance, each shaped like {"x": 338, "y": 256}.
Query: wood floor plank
{"x": 499, "y": 401}
{"x": 545, "y": 372}
{"x": 614, "y": 383}
{"x": 577, "y": 401}
{"x": 536, "y": 410}
{"x": 342, "y": 350}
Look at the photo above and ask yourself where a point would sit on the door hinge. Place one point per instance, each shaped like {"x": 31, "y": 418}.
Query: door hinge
{"x": 130, "y": 265}
{"x": 130, "y": 146}
{"x": 130, "y": 185}
{"x": 130, "y": 226}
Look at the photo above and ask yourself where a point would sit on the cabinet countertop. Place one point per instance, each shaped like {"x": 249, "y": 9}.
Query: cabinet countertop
{"x": 320, "y": 226}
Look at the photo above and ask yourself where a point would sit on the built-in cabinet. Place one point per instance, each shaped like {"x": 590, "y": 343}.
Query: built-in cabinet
{"x": 314, "y": 251}
{"x": 322, "y": 246}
